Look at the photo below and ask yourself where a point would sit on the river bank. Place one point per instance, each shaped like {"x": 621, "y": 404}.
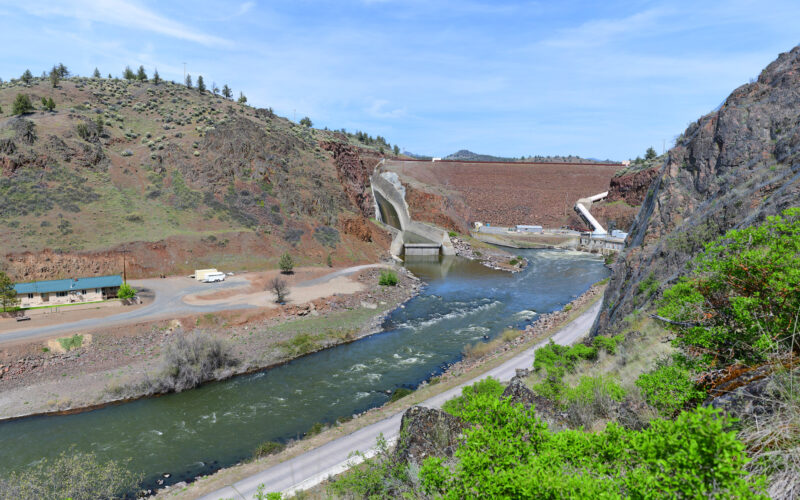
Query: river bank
{"x": 110, "y": 370}
{"x": 457, "y": 374}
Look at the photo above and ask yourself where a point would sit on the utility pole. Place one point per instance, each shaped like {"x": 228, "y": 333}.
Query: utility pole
{"x": 124, "y": 266}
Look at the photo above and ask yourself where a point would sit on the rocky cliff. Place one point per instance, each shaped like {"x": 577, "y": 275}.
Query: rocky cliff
{"x": 730, "y": 169}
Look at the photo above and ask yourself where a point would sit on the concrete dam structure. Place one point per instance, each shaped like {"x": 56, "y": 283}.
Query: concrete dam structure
{"x": 410, "y": 237}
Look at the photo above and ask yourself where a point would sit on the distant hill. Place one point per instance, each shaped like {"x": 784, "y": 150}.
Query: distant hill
{"x": 120, "y": 163}
{"x": 466, "y": 155}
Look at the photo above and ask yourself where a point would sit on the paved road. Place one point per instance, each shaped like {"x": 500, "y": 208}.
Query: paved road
{"x": 314, "y": 466}
{"x": 167, "y": 295}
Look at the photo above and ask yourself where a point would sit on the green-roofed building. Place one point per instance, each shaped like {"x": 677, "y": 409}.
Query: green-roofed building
{"x": 68, "y": 291}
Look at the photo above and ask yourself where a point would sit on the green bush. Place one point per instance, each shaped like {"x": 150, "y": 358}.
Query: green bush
{"x": 589, "y": 389}
{"x": 72, "y": 474}
{"x": 286, "y": 263}
{"x": 669, "y": 388}
{"x": 608, "y": 344}
{"x": 126, "y": 291}
{"x": 387, "y": 278}
{"x": 384, "y": 476}
{"x": 400, "y": 393}
{"x": 268, "y": 448}
{"x": 489, "y": 387}
{"x": 452, "y": 234}
{"x": 22, "y": 105}
{"x": 70, "y": 343}
{"x": 511, "y": 454}
{"x": 741, "y": 301}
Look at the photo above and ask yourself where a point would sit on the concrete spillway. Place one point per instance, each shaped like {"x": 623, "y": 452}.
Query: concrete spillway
{"x": 582, "y": 207}
{"x": 392, "y": 210}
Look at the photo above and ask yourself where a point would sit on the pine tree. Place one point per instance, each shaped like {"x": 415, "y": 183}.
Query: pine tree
{"x": 8, "y": 295}
{"x": 396, "y": 150}
{"x": 63, "y": 72}
{"x": 128, "y": 74}
{"x": 156, "y": 77}
{"x": 55, "y": 76}
{"x": 109, "y": 76}
{"x": 99, "y": 123}
{"x": 188, "y": 81}
{"x": 214, "y": 88}
{"x": 26, "y": 77}
{"x": 227, "y": 93}
{"x": 96, "y": 73}
{"x": 242, "y": 98}
{"x": 141, "y": 75}
{"x": 650, "y": 153}
{"x": 22, "y": 104}
{"x": 306, "y": 121}
{"x": 201, "y": 85}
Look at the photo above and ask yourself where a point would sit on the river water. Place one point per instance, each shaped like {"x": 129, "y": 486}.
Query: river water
{"x": 219, "y": 424}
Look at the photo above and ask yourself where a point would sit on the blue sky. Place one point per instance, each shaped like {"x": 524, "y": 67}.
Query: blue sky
{"x": 597, "y": 79}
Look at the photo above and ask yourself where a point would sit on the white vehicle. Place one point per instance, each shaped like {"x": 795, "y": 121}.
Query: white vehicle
{"x": 214, "y": 277}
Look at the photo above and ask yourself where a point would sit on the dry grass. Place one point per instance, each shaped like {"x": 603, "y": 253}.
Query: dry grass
{"x": 478, "y": 350}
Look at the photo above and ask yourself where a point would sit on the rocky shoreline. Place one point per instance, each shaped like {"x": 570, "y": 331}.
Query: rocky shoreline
{"x": 38, "y": 372}
{"x": 491, "y": 257}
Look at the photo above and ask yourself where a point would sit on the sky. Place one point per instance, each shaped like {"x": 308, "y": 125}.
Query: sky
{"x": 595, "y": 79}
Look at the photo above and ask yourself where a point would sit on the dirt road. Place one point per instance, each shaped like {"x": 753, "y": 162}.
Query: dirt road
{"x": 180, "y": 296}
{"x": 312, "y": 467}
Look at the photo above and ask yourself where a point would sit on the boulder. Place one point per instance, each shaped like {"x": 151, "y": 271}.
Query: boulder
{"x": 427, "y": 432}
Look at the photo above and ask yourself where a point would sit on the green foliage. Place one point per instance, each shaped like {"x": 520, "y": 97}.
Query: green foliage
{"x": 242, "y": 98}
{"x": 648, "y": 286}
{"x": 451, "y": 234}
{"x": 559, "y": 359}
{"x": 70, "y": 343}
{"x": 650, "y": 153}
{"x": 188, "y": 81}
{"x": 668, "y": 388}
{"x": 72, "y": 474}
{"x": 589, "y": 389}
{"x": 383, "y": 476}
{"x": 513, "y": 262}
{"x": 268, "y": 448}
{"x": 286, "y": 263}
{"x": 141, "y": 75}
{"x": 26, "y": 77}
{"x": 461, "y": 406}
{"x": 128, "y": 73}
{"x": 227, "y": 93}
{"x": 300, "y": 344}
{"x": 387, "y": 278}
{"x": 329, "y": 260}
{"x": 48, "y": 104}
{"x": 55, "y": 76}
{"x": 96, "y": 74}
{"x": 99, "y": 123}
{"x": 315, "y": 429}
{"x": 608, "y": 344}
{"x": 306, "y": 122}
{"x": 511, "y": 454}
{"x": 83, "y": 131}
{"x": 8, "y": 295}
{"x": 126, "y": 291}
{"x": 396, "y": 150}
{"x": 22, "y": 105}
{"x": 201, "y": 85}
{"x": 740, "y": 303}
{"x": 156, "y": 77}
{"x": 399, "y": 394}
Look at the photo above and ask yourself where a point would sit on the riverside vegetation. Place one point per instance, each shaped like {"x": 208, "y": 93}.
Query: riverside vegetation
{"x": 736, "y": 312}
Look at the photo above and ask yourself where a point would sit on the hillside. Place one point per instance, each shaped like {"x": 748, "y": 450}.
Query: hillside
{"x": 730, "y": 169}
{"x": 175, "y": 178}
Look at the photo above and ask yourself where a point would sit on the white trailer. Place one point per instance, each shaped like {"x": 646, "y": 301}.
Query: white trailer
{"x": 214, "y": 277}
{"x": 200, "y": 274}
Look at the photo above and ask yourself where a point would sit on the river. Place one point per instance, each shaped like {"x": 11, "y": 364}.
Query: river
{"x": 219, "y": 424}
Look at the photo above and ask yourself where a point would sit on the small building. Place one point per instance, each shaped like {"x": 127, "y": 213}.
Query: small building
{"x": 528, "y": 229}
{"x": 68, "y": 291}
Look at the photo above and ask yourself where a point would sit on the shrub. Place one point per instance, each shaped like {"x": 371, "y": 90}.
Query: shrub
{"x": 452, "y": 234}
{"x": 669, "y": 388}
{"x": 511, "y": 454}
{"x": 190, "y": 359}
{"x": 400, "y": 393}
{"x": 126, "y": 291}
{"x": 489, "y": 387}
{"x": 608, "y": 344}
{"x": 268, "y": 448}
{"x": 387, "y": 278}
{"x": 280, "y": 289}
{"x": 315, "y": 429}
{"x": 384, "y": 476}
{"x": 590, "y": 399}
{"x": 72, "y": 474}
{"x": 326, "y": 235}
{"x": 513, "y": 262}
{"x": 22, "y": 105}
{"x": 286, "y": 263}
{"x": 741, "y": 301}
{"x": 70, "y": 343}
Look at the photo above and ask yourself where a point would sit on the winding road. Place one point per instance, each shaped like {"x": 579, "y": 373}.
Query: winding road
{"x": 311, "y": 468}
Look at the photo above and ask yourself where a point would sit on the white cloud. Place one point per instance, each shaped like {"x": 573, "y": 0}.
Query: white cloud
{"x": 126, "y": 14}
{"x": 378, "y": 109}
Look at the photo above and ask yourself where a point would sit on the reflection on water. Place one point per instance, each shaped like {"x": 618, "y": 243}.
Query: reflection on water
{"x": 218, "y": 424}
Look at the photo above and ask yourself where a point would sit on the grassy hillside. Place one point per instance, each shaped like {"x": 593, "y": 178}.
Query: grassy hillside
{"x": 121, "y": 161}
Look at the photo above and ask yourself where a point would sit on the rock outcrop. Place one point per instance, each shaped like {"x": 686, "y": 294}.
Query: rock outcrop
{"x": 427, "y": 432}
{"x": 730, "y": 169}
